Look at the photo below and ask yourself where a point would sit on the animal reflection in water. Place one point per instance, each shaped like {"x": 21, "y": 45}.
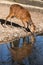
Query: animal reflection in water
{"x": 18, "y": 54}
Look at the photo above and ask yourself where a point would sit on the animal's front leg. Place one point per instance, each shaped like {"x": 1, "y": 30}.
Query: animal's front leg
{"x": 24, "y": 27}
{"x": 23, "y": 23}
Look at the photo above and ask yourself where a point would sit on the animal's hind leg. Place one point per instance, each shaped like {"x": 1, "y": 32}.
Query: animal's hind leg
{"x": 6, "y": 19}
{"x": 12, "y": 44}
{"x": 9, "y": 16}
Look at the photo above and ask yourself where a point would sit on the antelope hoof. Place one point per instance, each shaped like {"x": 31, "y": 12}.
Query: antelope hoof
{"x": 24, "y": 29}
{"x": 11, "y": 26}
{"x": 4, "y": 25}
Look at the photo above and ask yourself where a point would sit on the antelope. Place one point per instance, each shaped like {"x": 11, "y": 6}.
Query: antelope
{"x": 21, "y": 13}
{"x": 18, "y": 54}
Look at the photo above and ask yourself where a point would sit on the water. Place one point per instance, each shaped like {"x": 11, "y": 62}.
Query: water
{"x": 36, "y": 58}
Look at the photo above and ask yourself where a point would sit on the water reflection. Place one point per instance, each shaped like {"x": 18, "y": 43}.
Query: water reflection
{"x": 5, "y": 55}
{"x": 21, "y": 53}
{"x": 6, "y": 63}
{"x": 4, "y": 52}
{"x": 25, "y": 61}
{"x": 36, "y": 58}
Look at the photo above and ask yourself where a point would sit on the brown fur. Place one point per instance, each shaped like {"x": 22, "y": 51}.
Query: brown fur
{"x": 21, "y": 13}
{"x": 18, "y": 54}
